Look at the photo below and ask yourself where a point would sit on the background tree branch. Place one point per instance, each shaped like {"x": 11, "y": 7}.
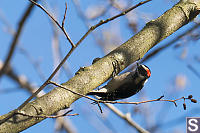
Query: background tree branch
{"x": 16, "y": 37}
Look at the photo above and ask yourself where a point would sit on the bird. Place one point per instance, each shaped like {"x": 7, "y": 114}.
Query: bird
{"x": 124, "y": 85}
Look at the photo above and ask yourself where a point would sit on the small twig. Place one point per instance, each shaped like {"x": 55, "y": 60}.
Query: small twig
{"x": 47, "y": 116}
{"x": 147, "y": 101}
{"x": 61, "y": 86}
{"x": 160, "y": 97}
{"x": 119, "y": 102}
{"x": 64, "y": 17}
{"x": 100, "y": 108}
{"x": 57, "y": 23}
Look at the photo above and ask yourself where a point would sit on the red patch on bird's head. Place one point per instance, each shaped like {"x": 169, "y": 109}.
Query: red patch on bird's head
{"x": 148, "y": 72}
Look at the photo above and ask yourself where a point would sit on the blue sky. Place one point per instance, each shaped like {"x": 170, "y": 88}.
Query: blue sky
{"x": 36, "y": 39}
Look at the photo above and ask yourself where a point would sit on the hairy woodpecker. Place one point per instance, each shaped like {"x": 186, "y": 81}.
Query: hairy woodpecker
{"x": 124, "y": 85}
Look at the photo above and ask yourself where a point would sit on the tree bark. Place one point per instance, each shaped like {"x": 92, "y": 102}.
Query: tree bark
{"x": 92, "y": 76}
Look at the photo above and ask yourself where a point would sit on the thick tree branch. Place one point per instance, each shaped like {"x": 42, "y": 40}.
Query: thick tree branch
{"x": 94, "y": 75}
{"x": 158, "y": 50}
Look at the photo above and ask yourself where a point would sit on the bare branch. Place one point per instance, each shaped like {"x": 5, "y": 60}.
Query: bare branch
{"x": 63, "y": 22}
{"x": 57, "y": 23}
{"x": 79, "y": 94}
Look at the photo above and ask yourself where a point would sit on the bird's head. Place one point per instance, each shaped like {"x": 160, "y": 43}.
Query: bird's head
{"x": 143, "y": 70}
